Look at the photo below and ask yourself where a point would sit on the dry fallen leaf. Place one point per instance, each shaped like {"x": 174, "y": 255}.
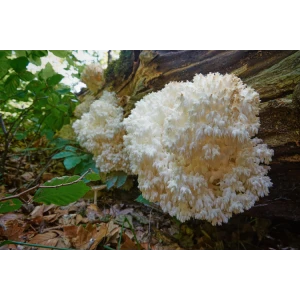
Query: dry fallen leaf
{"x": 85, "y": 237}
{"x": 51, "y": 218}
{"x": 102, "y": 231}
{"x": 93, "y": 213}
{"x": 27, "y": 176}
{"x": 128, "y": 244}
{"x": 38, "y": 211}
{"x": 46, "y": 239}
{"x": 12, "y": 230}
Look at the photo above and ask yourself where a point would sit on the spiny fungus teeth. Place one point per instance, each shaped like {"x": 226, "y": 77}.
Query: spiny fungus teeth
{"x": 192, "y": 146}
{"x": 93, "y": 77}
{"x": 101, "y": 132}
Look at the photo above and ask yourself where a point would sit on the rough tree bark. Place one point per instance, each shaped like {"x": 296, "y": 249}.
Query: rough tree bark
{"x": 274, "y": 74}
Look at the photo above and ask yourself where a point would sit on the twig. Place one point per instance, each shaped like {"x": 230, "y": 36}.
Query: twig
{"x": 45, "y": 187}
{"x": 32, "y": 245}
{"x": 149, "y": 231}
{"x": 3, "y": 125}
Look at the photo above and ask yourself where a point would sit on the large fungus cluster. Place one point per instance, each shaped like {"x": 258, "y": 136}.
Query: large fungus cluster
{"x": 191, "y": 144}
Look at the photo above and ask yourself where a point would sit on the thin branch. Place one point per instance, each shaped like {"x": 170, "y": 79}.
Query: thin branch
{"x": 45, "y": 187}
{"x": 3, "y": 125}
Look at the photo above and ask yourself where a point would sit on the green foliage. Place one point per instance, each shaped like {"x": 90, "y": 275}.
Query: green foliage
{"x": 10, "y": 205}
{"x": 75, "y": 159}
{"x": 116, "y": 179}
{"x": 60, "y": 193}
{"x": 142, "y": 200}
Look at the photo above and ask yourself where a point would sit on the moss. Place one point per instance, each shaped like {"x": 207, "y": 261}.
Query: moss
{"x": 120, "y": 68}
{"x": 109, "y": 73}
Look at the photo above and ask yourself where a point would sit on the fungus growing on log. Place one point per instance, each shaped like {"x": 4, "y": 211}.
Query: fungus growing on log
{"x": 192, "y": 145}
{"x": 193, "y": 148}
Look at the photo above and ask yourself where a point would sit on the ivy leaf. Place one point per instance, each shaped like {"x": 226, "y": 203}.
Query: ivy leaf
{"x": 55, "y": 79}
{"x": 62, "y": 155}
{"x": 10, "y": 205}
{"x": 62, "y": 195}
{"x": 60, "y": 53}
{"x": 19, "y": 64}
{"x": 71, "y": 162}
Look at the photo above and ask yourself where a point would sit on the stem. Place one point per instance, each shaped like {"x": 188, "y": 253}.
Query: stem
{"x": 45, "y": 187}
{"x": 32, "y": 245}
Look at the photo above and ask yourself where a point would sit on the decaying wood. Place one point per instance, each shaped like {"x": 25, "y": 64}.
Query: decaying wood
{"x": 274, "y": 74}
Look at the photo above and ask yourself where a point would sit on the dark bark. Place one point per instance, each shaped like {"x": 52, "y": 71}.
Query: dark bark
{"x": 274, "y": 74}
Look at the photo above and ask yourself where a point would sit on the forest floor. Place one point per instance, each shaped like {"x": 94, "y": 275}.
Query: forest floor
{"x": 117, "y": 221}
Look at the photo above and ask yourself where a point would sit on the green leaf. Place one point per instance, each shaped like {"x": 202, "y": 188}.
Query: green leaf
{"x": 10, "y": 205}
{"x": 20, "y": 53}
{"x": 47, "y": 72}
{"x": 4, "y": 53}
{"x": 71, "y": 148}
{"x": 121, "y": 179}
{"x": 71, "y": 162}
{"x": 11, "y": 84}
{"x": 60, "y": 53}
{"x": 111, "y": 182}
{"x": 92, "y": 177}
{"x": 39, "y": 53}
{"x": 26, "y": 76}
{"x": 55, "y": 79}
{"x": 4, "y": 66}
{"x": 20, "y": 135}
{"x": 142, "y": 200}
{"x": 35, "y": 86}
{"x": 19, "y": 64}
{"x": 62, "y": 107}
{"x": 83, "y": 166}
{"x": 35, "y": 60}
{"x": 62, "y": 154}
{"x": 53, "y": 99}
{"x": 63, "y": 91}
{"x": 63, "y": 195}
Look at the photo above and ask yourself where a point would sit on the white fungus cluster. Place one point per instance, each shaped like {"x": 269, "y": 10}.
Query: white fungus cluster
{"x": 93, "y": 77}
{"x": 192, "y": 146}
{"x": 101, "y": 132}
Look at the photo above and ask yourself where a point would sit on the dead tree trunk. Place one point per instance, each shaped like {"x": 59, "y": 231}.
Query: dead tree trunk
{"x": 274, "y": 74}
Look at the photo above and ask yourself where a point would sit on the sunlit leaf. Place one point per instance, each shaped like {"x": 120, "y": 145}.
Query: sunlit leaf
{"x": 60, "y": 53}
{"x": 92, "y": 177}
{"x": 47, "y": 72}
{"x": 71, "y": 162}
{"x": 62, "y": 195}
{"x": 10, "y": 205}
